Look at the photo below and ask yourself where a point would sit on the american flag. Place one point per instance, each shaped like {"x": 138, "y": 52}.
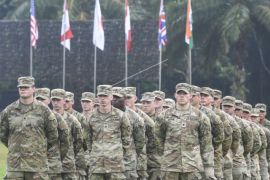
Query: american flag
{"x": 162, "y": 32}
{"x": 33, "y": 25}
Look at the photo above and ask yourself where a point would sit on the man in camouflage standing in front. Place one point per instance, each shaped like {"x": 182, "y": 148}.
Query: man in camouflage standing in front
{"x": 108, "y": 138}
{"x": 75, "y": 135}
{"x": 159, "y": 100}
{"x": 55, "y": 164}
{"x": 185, "y": 140}
{"x": 29, "y": 130}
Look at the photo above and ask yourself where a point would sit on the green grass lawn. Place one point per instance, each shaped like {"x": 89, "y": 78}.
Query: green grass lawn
{"x": 3, "y": 157}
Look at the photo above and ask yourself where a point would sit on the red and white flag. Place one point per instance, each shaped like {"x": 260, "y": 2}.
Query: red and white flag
{"x": 127, "y": 27}
{"x": 33, "y": 25}
{"x": 98, "y": 31}
{"x": 66, "y": 33}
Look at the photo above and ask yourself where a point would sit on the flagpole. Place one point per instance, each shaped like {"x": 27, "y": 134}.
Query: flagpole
{"x": 95, "y": 70}
{"x": 31, "y": 57}
{"x": 126, "y": 64}
{"x": 64, "y": 58}
{"x": 160, "y": 68}
{"x": 189, "y": 66}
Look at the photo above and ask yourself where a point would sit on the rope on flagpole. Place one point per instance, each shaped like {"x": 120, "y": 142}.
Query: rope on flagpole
{"x": 146, "y": 69}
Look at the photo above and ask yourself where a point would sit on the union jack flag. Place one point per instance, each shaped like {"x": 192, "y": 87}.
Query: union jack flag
{"x": 162, "y": 32}
{"x": 33, "y": 25}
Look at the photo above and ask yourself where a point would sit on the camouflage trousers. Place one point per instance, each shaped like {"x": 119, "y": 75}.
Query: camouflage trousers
{"x": 81, "y": 175}
{"x": 227, "y": 172}
{"x": 69, "y": 176}
{"x": 107, "y": 176}
{"x": 154, "y": 174}
{"x": 181, "y": 176}
{"x": 142, "y": 175}
{"x": 255, "y": 168}
{"x": 26, "y": 176}
{"x": 55, "y": 176}
{"x": 131, "y": 175}
{"x": 239, "y": 173}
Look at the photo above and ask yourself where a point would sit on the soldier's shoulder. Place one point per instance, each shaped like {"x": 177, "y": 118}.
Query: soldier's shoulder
{"x": 11, "y": 106}
{"x": 117, "y": 112}
{"x": 74, "y": 120}
{"x": 147, "y": 120}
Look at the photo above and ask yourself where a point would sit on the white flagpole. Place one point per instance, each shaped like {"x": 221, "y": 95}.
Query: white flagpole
{"x": 64, "y": 64}
{"x": 126, "y": 64}
{"x": 95, "y": 70}
{"x": 31, "y": 56}
{"x": 189, "y": 66}
{"x": 160, "y": 68}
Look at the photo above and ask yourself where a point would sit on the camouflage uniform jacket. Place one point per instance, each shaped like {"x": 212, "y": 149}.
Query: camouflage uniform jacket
{"x": 257, "y": 142}
{"x": 218, "y": 138}
{"x": 55, "y": 164}
{"x": 227, "y": 143}
{"x": 246, "y": 143}
{"x": 81, "y": 158}
{"x": 265, "y": 123}
{"x": 29, "y": 132}
{"x": 236, "y": 134}
{"x": 185, "y": 140}
{"x": 137, "y": 139}
{"x": 76, "y": 141}
{"x": 108, "y": 141}
{"x": 149, "y": 138}
{"x": 265, "y": 133}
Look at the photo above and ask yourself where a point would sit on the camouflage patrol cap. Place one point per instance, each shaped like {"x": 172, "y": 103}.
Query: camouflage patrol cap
{"x": 130, "y": 91}
{"x": 238, "y": 104}
{"x": 104, "y": 90}
{"x": 183, "y": 87}
{"x": 247, "y": 107}
{"x": 261, "y": 107}
{"x": 87, "y": 96}
{"x": 26, "y": 81}
{"x": 42, "y": 93}
{"x": 228, "y": 101}
{"x": 207, "y": 91}
{"x": 148, "y": 96}
{"x": 170, "y": 103}
{"x": 159, "y": 94}
{"x": 58, "y": 94}
{"x": 195, "y": 90}
{"x": 69, "y": 96}
{"x": 117, "y": 91}
{"x": 217, "y": 93}
{"x": 255, "y": 112}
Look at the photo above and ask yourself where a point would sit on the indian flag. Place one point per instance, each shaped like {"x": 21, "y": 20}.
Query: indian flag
{"x": 188, "y": 37}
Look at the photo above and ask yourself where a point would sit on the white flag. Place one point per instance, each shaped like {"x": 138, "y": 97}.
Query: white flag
{"x": 98, "y": 34}
{"x": 127, "y": 27}
{"x": 66, "y": 33}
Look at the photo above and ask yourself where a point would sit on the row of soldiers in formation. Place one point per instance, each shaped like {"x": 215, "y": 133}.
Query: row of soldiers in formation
{"x": 199, "y": 136}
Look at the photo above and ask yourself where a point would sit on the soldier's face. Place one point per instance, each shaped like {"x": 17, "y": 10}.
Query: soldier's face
{"x": 206, "y": 100}
{"x": 238, "y": 112}
{"x": 26, "y": 92}
{"x": 87, "y": 105}
{"x": 255, "y": 119}
{"x": 158, "y": 103}
{"x": 182, "y": 98}
{"x": 68, "y": 105}
{"x": 105, "y": 100}
{"x": 217, "y": 102}
{"x": 148, "y": 107}
{"x": 195, "y": 100}
{"x": 246, "y": 115}
{"x": 262, "y": 115}
{"x": 130, "y": 101}
{"x": 228, "y": 109}
{"x": 58, "y": 104}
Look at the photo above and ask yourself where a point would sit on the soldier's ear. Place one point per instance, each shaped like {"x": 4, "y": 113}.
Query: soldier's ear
{"x": 175, "y": 94}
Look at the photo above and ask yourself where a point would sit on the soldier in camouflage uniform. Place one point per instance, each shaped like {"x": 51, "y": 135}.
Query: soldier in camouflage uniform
{"x": 149, "y": 124}
{"x": 236, "y": 134}
{"x": 185, "y": 140}
{"x": 217, "y": 129}
{"x": 108, "y": 138}
{"x": 253, "y": 160}
{"x": 137, "y": 136}
{"x": 239, "y": 162}
{"x": 55, "y": 164}
{"x": 81, "y": 157}
{"x": 153, "y": 161}
{"x": 264, "y": 133}
{"x": 265, "y": 123}
{"x": 87, "y": 103}
{"x": 75, "y": 135}
{"x": 159, "y": 100}
{"x": 29, "y": 130}
{"x": 168, "y": 103}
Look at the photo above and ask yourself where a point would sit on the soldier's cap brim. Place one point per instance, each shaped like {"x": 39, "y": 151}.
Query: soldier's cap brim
{"x": 118, "y": 95}
{"x": 130, "y": 95}
{"x": 261, "y": 109}
{"x": 206, "y": 93}
{"x": 57, "y": 97}
{"x": 246, "y": 111}
{"x": 182, "y": 89}
{"x": 24, "y": 85}
{"x": 227, "y": 104}
{"x": 87, "y": 99}
{"x": 147, "y": 99}
{"x": 42, "y": 97}
{"x": 159, "y": 98}
{"x": 254, "y": 115}
{"x": 103, "y": 94}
